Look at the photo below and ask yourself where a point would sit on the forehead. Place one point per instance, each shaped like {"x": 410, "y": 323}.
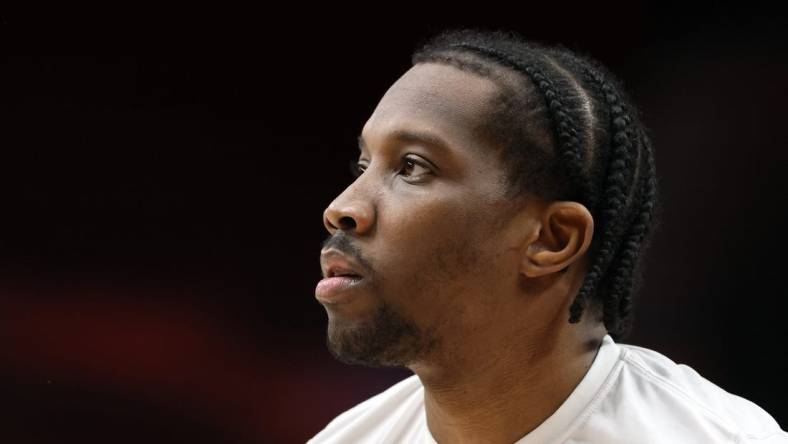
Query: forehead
{"x": 435, "y": 98}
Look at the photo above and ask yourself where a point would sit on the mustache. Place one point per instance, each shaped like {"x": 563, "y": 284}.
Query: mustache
{"x": 342, "y": 243}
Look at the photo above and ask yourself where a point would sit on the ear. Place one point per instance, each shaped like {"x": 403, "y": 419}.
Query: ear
{"x": 560, "y": 236}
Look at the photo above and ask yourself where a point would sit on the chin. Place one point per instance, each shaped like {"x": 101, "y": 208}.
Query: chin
{"x": 382, "y": 340}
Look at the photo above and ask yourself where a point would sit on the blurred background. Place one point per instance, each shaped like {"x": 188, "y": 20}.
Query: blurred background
{"x": 161, "y": 212}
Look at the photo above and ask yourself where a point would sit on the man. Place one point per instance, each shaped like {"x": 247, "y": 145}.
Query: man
{"x": 490, "y": 244}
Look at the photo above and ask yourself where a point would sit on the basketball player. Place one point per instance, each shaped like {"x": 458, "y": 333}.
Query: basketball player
{"x": 490, "y": 244}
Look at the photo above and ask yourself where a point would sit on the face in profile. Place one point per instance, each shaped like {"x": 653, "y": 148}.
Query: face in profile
{"x": 418, "y": 247}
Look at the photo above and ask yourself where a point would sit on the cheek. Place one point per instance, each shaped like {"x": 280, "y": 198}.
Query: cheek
{"x": 422, "y": 232}
{"x": 429, "y": 255}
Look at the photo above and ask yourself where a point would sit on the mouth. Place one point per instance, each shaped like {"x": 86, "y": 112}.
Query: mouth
{"x": 342, "y": 272}
{"x": 337, "y": 271}
{"x": 335, "y": 289}
{"x": 340, "y": 275}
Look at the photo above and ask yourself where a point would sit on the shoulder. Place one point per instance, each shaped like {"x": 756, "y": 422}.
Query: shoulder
{"x": 674, "y": 402}
{"x": 391, "y": 414}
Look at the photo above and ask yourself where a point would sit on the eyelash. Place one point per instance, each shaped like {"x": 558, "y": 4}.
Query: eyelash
{"x": 356, "y": 168}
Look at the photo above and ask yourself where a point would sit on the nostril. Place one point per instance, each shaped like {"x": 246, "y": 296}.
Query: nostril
{"x": 347, "y": 223}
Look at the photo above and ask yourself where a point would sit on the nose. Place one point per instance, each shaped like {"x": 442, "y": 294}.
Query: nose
{"x": 349, "y": 212}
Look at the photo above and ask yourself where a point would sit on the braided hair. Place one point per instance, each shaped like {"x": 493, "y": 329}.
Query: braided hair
{"x": 567, "y": 131}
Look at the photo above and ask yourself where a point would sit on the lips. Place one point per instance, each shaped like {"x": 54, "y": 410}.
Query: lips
{"x": 334, "y": 290}
{"x": 341, "y": 274}
{"x": 338, "y": 271}
{"x": 337, "y": 264}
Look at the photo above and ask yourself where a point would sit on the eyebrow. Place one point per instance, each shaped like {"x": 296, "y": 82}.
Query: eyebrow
{"x": 411, "y": 136}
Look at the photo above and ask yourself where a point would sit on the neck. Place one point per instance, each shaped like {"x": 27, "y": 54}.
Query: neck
{"x": 494, "y": 395}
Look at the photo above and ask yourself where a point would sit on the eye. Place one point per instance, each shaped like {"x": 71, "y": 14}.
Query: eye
{"x": 414, "y": 168}
{"x": 410, "y": 168}
{"x": 356, "y": 168}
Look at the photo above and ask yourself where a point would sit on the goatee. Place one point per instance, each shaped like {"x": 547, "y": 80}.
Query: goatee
{"x": 386, "y": 340}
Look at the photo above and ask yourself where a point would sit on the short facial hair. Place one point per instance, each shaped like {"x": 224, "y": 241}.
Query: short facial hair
{"x": 386, "y": 340}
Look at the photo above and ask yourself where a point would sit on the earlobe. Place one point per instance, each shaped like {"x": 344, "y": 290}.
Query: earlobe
{"x": 561, "y": 237}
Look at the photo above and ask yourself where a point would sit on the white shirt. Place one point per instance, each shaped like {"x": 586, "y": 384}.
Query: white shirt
{"x": 629, "y": 395}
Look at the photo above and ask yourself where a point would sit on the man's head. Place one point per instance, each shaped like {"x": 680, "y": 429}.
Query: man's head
{"x": 500, "y": 185}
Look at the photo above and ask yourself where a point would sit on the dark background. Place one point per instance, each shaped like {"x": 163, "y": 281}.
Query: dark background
{"x": 161, "y": 218}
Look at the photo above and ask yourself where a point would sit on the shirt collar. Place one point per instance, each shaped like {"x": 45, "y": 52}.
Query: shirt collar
{"x": 570, "y": 414}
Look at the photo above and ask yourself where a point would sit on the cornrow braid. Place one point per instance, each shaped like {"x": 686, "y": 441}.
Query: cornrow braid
{"x": 638, "y": 232}
{"x": 565, "y": 128}
{"x": 617, "y": 305}
{"x": 618, "y": 176}
{"x": 582, "y": 141}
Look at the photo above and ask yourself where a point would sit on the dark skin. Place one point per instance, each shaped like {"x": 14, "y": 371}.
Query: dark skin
{"x": 484, "y": 282}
